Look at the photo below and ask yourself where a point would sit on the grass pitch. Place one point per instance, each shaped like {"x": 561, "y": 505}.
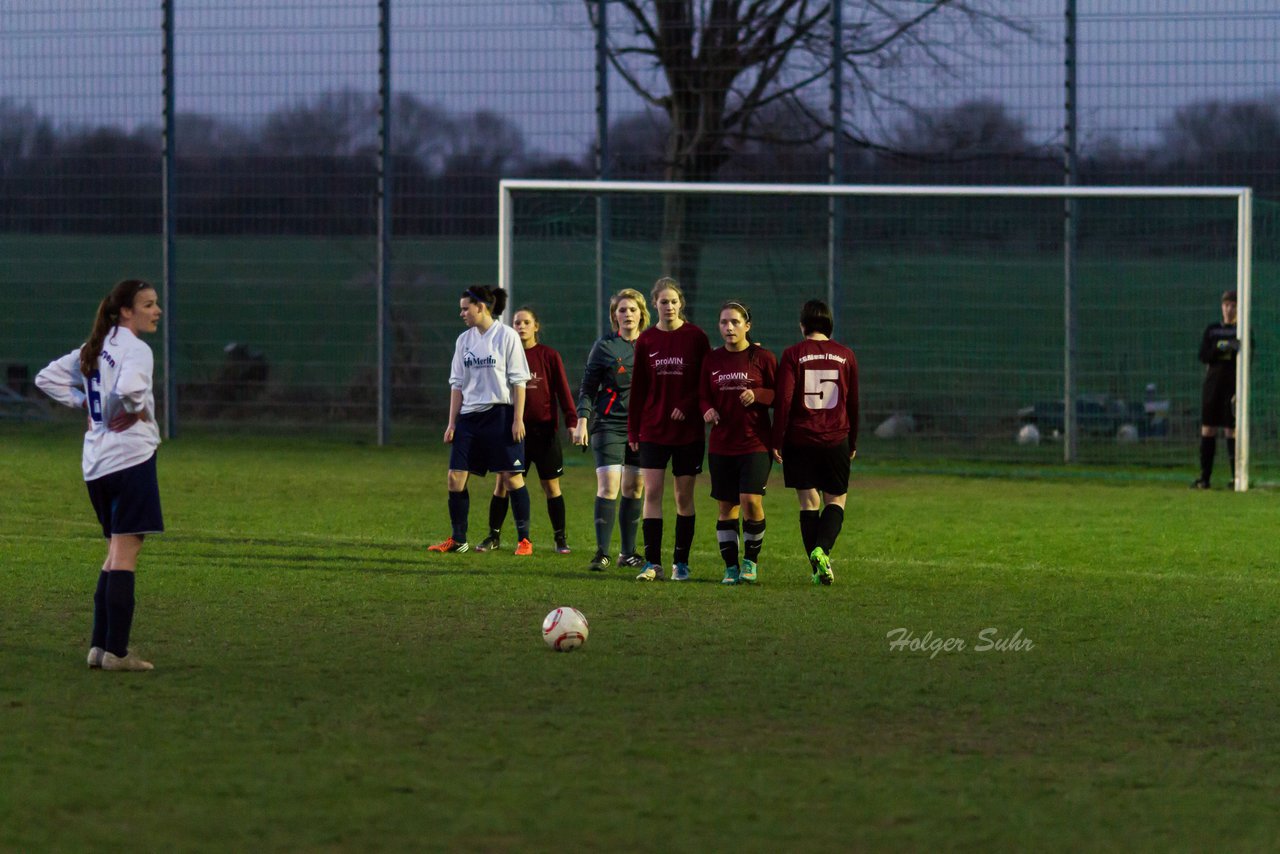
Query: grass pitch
{"x": 324, "y": 684}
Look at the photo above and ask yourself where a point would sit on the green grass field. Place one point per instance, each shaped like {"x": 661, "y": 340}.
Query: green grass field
{"x": 323, "y": 684}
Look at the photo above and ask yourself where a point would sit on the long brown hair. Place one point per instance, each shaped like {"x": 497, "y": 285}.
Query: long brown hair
{"x": 121, "y": 296}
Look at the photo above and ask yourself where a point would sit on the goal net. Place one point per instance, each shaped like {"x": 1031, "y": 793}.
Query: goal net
{"x": 980, "y": 337}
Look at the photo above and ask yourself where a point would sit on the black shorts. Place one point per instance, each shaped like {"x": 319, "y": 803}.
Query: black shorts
{"x": 685, "y": 459}
{"x": 542, "y": 450}
{"x": 482, "y": 442}
{"x": 733, "y": 475}
{"x": 821, "y": 467}
{"x": 609, "y": 444}
{"x": 128, "y": 501}
{"x": 1217, "y": 400}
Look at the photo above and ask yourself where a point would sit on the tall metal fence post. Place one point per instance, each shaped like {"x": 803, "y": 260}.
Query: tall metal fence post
{"x": 168, "y": 223}
{"x": 385, "y": 338}
{"x": 835, "y": 162}
{"x": 602, "y": 165}
{"x": 1071, "y": 215}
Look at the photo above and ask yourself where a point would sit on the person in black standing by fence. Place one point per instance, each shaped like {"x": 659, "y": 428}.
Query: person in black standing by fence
{"x": 1218, "y": 348}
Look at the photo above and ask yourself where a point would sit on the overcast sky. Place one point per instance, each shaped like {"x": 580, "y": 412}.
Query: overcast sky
{"x": 94, "y": 62}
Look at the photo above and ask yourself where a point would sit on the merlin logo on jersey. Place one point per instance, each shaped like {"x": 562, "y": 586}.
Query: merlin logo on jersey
{"x": 471, "y": 360}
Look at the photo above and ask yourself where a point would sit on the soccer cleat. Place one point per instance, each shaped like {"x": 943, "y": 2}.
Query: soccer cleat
{"x": 599, "y": 563}
{"x": 562, "y": 546}
{"x": 129, "y": 662}
{"x": 680, "y": 572}
{"x": 1199, "y": 483}
{"x": 524, "y": 548}
{"x": 95, "y": 657}
{"x": 450, "y": 545}
{"x": 651, "y": 572}
{"x": 748, "y": 573}
{"x": 821, "y": 564}
{"x": 731, "y": 575}
{"x": 632, "y": 560}
{"x": 490, "y": 543}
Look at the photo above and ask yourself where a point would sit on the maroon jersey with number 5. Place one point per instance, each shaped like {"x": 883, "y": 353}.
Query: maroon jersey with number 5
{"x": 817, "y": 395}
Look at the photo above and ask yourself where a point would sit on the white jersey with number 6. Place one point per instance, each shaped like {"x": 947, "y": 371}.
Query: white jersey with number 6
{"x": 122, "y": 383}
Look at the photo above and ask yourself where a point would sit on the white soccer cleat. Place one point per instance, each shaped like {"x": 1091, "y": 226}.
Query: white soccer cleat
{"x": 95, "y": 657}
{"x": 129, "y": 662}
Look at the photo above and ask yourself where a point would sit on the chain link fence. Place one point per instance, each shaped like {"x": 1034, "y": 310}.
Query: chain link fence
{"x": 295, "y": 126}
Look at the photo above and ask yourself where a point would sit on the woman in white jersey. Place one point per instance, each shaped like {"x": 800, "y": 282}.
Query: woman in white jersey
{"x": 110, "y": 377}
{"x": 486, "y": 414}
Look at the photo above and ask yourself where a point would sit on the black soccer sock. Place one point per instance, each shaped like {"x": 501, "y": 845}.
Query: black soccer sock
{"x": 629, "y": 522}
{"x": 653, "y": 541}
{"x": 1231, "y": 455}
{"x": 459, "y": 510}
{"x": 606, "y": 511}
{"x": 497, "y": 513}
{"x": 829, "y": 525}
{"x": 684, "y": 538}
{"x": 99, "y": 636}
{"x": 555, "y": 512}
{"x": 1207, "y": 445}
{"x": 727, "y": 537}
{"x": 119, "y": 611}
{"x": 520, "y": 510}
{"x": 752, "y": 539}
{"x": 809, "y": 529}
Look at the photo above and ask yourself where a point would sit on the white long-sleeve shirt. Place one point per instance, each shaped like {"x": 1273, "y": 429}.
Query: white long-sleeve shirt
{"x": 486, "y": 365}
{"x": 122, "y": 382}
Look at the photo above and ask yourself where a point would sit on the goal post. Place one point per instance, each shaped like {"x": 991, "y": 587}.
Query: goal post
{"x": 958, "y": 226}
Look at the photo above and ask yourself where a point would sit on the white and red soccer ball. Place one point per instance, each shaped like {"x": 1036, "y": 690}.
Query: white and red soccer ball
{"x": 565, "y": 629}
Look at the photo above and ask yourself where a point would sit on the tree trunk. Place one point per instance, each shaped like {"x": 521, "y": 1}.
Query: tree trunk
{"x": 682, "y": 243}
{"x": 695, "y": 152}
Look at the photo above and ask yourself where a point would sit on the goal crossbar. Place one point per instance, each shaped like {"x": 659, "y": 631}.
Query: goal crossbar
{"x": 1243, "y": 197}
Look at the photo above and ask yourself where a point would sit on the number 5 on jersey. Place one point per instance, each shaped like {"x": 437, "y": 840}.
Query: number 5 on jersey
{"x": 820, "y": 389}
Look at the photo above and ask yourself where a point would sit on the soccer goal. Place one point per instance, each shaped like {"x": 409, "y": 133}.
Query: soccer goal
{"x": 1018, "y": 324}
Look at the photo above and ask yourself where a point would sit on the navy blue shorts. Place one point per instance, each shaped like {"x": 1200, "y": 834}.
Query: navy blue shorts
{"x": 482, "y": 442}
{"x": 128, "y": 501}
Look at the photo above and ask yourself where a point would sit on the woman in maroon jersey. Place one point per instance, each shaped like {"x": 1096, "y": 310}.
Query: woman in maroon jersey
{"x": 547, "y": 388}
{"x": 737, "y": 389}
{"x": 815, "y": 431}
{"x": 663, "y": 423}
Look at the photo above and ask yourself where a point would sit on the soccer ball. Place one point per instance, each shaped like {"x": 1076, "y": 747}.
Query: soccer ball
{"x": 1029, "y": 434}
{"x": 565, "y": 629}
{"x": 1127, "y": 434}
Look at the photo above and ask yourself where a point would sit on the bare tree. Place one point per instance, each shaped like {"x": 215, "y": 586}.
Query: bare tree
{"x": 715, "y": 66}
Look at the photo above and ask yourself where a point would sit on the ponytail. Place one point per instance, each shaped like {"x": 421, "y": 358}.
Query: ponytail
{"x": 494, "y": 298}
{"x": 108, "y": 316}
